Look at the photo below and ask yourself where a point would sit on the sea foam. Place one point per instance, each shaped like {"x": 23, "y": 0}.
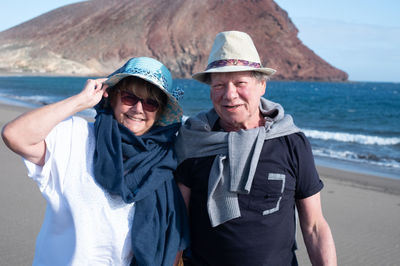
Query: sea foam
{"x": 354, "y": 157}
{"x": 348, "y": 137}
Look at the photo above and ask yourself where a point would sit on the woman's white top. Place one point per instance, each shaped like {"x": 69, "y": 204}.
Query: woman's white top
{"x": 83, "y": 224}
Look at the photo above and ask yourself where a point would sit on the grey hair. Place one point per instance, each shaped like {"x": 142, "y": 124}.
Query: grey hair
{"x": 260, "y": 76}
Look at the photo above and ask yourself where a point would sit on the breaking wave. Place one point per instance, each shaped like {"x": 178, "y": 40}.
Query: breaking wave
{"x": 354, "y": 138}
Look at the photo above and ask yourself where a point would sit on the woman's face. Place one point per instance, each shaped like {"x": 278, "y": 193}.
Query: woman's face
{"x": 136, "y": 111}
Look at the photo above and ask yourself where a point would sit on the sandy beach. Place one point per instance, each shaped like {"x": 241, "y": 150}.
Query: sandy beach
{"x": 362, "y": 210}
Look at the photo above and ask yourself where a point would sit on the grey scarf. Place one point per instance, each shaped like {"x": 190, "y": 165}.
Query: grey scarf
{"x": 237, "y": 155}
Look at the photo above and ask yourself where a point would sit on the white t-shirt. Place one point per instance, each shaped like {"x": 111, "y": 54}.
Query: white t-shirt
{"x": 83, "y": 224}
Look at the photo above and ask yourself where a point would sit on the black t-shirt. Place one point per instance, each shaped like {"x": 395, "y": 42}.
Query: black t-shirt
{"x": 265, "y": 232}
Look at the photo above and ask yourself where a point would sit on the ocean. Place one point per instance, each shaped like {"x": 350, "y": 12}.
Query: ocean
{"x": 352, "y": 126}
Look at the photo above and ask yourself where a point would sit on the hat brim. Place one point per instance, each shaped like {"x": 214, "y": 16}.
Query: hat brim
{"x": 201, "y": 76}
{"x": 113, "y": 80}
{"x": 172, "y": 112}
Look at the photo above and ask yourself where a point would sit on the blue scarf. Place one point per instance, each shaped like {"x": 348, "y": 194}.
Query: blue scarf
{"x": 140, "y": 169}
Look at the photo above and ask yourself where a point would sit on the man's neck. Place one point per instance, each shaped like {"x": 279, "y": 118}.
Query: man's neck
{"x": 229, "y": 127}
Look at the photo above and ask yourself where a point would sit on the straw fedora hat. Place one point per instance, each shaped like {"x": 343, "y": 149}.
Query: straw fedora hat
{"x": 233, "y": 51}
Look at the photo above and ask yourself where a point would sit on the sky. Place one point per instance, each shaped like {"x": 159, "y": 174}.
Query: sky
{"x": 360, "y": 37}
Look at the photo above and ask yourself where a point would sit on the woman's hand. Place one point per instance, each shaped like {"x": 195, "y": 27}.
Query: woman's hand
{"x": 25, "y": 135}
{"x": 92, "y": 93}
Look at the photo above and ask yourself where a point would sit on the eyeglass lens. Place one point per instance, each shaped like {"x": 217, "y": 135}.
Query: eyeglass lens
{"x": 131, "y": 99}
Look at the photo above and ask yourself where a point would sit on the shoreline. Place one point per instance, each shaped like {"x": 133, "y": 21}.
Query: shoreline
{"x": 44, "y": 74}
{"x": 363, "y": 178}
{"x": 48, "y": 74}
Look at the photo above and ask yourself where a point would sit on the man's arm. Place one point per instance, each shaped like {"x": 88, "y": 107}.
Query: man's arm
{"x": 316, "y": 231}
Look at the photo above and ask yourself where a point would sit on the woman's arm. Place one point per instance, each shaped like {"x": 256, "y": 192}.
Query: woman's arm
{"x": 185, "y": 191}
{"x": 25, "y": 135}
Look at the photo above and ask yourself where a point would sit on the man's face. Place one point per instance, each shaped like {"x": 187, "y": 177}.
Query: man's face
{"x": 236, "y": 99}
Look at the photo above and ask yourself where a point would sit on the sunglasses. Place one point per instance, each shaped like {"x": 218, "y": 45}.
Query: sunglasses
{"x": 131, "y": 99}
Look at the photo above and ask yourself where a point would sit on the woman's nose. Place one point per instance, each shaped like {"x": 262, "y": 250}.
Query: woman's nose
{"x": 138, "y": 107}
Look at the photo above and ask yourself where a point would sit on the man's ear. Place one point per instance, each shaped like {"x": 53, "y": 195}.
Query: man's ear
{"x": 263, "y": 85}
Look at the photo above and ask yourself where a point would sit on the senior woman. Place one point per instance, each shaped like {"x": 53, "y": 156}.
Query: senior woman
{"x": 111, "y": 197}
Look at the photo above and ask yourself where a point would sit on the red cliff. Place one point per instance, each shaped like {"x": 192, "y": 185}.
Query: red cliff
{"x": 97, "y": 36}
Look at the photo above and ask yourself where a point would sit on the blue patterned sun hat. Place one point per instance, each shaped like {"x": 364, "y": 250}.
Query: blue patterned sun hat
{"x": 156, "y": 73}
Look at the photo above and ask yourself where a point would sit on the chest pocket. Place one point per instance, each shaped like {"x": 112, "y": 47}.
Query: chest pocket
{"x": 266, "y": 195}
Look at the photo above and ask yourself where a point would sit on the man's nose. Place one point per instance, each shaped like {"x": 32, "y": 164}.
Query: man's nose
{"x": 231, "y": 91}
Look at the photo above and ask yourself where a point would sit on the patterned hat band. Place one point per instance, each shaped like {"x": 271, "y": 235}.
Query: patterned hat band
{"x": 232, "y": 62}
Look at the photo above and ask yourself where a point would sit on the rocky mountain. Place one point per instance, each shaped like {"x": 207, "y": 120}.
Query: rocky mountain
{"x": 96, "y": 37}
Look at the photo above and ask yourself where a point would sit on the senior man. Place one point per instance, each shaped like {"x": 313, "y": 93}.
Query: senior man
{"x": 245, "y": 167}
